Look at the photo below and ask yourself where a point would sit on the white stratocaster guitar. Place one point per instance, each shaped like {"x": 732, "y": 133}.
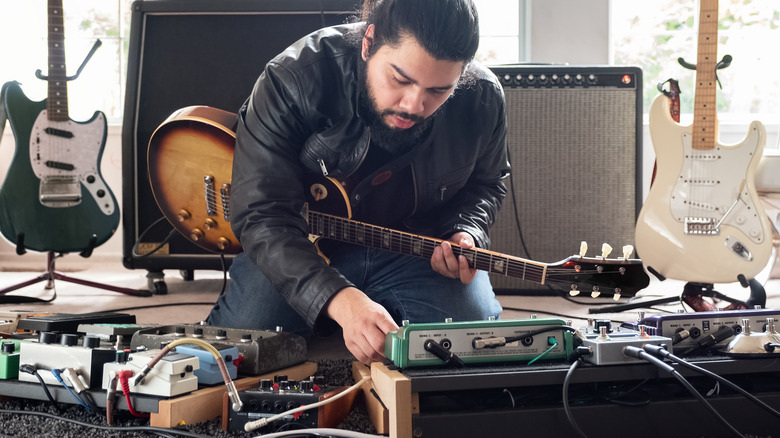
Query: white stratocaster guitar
{"x": 702, "y": 220}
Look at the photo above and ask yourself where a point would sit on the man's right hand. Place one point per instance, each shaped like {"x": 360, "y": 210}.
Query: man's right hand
{"x": 365, "y": 323}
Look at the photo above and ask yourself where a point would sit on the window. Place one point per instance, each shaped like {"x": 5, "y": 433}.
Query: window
{"x": 654, "y": 33}
{"x": 101, "y": 84}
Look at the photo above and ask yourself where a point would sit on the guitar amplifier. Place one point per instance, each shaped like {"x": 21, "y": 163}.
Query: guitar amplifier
{"x": 196, "y": 52}
{"x": 574, "y": 135}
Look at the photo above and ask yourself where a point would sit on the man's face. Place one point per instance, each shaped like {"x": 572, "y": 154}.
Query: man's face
{"x": 406, "y": 85}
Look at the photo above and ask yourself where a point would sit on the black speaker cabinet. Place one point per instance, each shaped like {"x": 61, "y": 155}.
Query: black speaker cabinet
{"x": 196, "y": 52}
{"x": 575, "y": 140}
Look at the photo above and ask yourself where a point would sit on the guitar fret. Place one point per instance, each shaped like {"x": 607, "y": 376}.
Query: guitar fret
{"x": 372, "y": 236}
{"x": 57, "y": 102}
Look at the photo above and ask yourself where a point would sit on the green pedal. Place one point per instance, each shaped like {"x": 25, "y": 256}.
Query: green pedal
{"x": 9, "y": 359}
{"x": 474, "y": 342}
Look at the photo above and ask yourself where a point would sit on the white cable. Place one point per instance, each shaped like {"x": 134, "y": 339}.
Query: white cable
{"x": 257, "y": 424}
{"x": 341, "y": 433}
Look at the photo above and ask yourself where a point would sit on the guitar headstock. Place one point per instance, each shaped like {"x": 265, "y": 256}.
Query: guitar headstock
{"x": 600, "y": 275}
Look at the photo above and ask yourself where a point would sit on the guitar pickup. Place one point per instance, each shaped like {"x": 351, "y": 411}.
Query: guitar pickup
{"x": 702, "y": 226}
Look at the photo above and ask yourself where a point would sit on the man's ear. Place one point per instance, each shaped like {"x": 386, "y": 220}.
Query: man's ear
{"x": 368, "y": 41}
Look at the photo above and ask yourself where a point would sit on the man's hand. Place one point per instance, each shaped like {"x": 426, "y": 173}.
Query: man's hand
{"x": 364, "y": 322}
{"x": 447, "y": 264}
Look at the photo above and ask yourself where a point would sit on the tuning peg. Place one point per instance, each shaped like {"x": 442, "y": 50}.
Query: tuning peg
{"x": 595, "y": 293}
{"x": 605, "y": 250}
{"x": 574, "y": 291}
{"x": 627, "y": 251}
{"x": 616, "y": 296}
{"x": 583, "y": 248}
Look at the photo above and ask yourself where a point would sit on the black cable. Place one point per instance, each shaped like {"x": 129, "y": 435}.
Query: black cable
{"x": 578, "y": 352}
{"x": 540, "y": 331}
{"x": 167, "y": 239}
{"x": 662, "y": 353}
{"x": 157, "y": 430}
{"x": 449, "y": 358}
{"x": 224, "y": 274}
{"x": 639, "y": 353}
{"x": 30, "y": 369}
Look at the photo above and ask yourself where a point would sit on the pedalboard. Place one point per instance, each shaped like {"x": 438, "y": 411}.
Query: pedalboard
{"x": 61, "y": 351}
{"x": 699, "y": 325}
{"x": 272, "y": 397}
{"x": 262, "y": 351}
{"x": 173, "y": 375}
{"x": 607, "y": 345}
{"x": 472, "y": 342}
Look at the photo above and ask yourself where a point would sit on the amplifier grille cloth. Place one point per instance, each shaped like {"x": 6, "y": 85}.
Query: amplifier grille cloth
{"x": 573, "y": 154}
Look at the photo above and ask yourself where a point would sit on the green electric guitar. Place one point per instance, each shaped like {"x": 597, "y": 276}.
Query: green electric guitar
{"x": 53, "y": 197}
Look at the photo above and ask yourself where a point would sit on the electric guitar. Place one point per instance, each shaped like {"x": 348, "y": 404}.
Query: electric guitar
{"x": 190, "y": 160}
{"x": 54, "y": 197}
{"x": 702, "y": 220}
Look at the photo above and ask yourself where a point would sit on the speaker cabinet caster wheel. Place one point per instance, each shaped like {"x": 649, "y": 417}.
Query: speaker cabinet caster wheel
{"x": 187, "y": 274}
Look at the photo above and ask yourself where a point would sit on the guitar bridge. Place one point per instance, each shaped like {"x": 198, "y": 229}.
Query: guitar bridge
{"x": 60, "y": 191}
{"x": 701, "y": 226}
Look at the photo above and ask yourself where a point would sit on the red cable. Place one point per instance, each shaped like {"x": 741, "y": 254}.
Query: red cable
{"x": 124, "y": 377}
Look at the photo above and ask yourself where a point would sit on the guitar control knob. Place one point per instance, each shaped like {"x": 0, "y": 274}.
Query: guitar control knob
{"x": 183, "y": 215}
{"x": 209, "y": 223}
{"x": 223, "y": 243}
{"x": 196, "y": 234}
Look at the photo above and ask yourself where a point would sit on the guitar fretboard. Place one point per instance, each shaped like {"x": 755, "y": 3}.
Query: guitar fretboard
{"x": 346, "y": 230}
{"x": 705, "y": 116}
{"x": 57, "y": 102}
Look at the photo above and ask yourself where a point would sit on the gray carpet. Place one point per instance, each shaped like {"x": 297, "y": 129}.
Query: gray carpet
{"x": 69, "y": 420}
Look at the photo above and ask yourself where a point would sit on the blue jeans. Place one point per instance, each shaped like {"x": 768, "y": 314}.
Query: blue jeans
{"x": 406, "y": 286}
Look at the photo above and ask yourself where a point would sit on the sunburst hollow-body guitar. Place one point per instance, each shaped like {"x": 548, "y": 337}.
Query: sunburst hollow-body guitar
{"x": 702, "y": 220}
{"x": 190, "y": 167}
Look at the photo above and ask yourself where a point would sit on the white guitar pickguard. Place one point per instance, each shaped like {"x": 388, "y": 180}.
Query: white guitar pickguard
{"x": 64, "y": 156}
{"x": 711, "y": 186}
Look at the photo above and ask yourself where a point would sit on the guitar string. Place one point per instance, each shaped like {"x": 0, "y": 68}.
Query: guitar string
{"x": 324, "y": 225}
{"x": 382, "y": 238}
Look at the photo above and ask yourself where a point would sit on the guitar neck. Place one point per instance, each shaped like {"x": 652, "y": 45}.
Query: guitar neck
{"x": 704, "y": 112}
{"x": 372, "y": 236}
{"x": 57, "y": 102}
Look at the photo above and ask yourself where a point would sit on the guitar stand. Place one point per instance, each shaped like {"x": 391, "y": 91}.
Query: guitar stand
{"x": 692, "y": 295}
{"x": 51, "y": 274}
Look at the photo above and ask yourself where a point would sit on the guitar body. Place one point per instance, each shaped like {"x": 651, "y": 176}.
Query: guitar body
{"x": 190, "y": 161}
{"x": 54, "y": 197}
{"x": 703, "y": 187}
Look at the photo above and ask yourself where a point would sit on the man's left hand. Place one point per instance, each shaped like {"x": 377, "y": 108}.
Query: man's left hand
{"x": 445, "y": 262}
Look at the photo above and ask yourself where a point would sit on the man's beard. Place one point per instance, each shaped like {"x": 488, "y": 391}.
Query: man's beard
{"x": 394, "y": 140}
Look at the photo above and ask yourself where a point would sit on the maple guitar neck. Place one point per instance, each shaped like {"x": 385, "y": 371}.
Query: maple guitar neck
{"x": 705, "y": 114}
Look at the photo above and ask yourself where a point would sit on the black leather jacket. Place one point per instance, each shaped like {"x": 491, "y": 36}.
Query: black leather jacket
{"x": 302, "y": 117}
